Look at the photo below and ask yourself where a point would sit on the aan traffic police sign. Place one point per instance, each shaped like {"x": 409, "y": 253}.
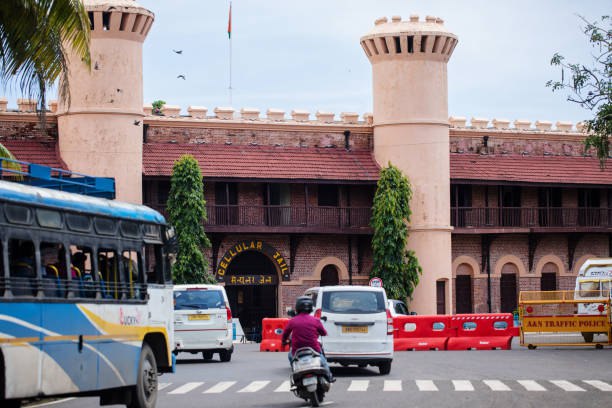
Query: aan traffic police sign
{"x": 376, "y": 282}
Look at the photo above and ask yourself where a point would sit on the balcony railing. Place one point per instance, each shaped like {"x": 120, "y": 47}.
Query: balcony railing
{"x": 268, "y": 218}
{"x": 524, "y": 217}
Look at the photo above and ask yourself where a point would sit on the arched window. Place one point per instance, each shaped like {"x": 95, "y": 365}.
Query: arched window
{"x": 548, "y": 281}
{"x": 329, "y": 276}
{"x": 507, "y": 287}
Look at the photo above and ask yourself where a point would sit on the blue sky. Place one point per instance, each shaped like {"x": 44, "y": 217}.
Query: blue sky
{"x": 291, "y": 54}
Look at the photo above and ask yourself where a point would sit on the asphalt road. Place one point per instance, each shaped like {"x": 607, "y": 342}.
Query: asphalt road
{"x": 527, "y": 378}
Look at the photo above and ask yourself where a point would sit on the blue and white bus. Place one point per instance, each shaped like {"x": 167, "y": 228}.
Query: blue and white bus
{"x": 85, "y": 297}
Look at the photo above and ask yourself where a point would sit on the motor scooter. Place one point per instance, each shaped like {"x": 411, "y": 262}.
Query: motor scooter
{"x": 308, "y": 377}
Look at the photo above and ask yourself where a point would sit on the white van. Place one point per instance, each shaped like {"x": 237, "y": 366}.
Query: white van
{"x": 594, "y": 281}
{"x": 202, "y": 321}
{"x": 358, "y": 323}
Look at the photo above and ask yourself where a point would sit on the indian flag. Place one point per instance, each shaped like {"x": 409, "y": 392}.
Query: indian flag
{"x": 229, "y": 23}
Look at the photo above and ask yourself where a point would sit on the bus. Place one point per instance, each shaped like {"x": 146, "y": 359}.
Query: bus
{"x": 594, "y": 281}
{"x": 86, "y": 306}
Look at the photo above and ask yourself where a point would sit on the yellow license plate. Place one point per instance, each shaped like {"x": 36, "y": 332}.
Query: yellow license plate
{"x": 199, "y": 317}
{"x": 354, "y": 329}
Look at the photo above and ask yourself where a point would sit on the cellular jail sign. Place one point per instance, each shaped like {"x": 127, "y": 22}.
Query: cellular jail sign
{"x": 566, "y": 324}
{"x": 253, "y": 245}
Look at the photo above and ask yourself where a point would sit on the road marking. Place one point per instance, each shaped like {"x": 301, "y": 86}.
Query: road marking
{"x": 284, "y": 387}
{"x": 600, "y": 385}
{"x": 161, "y": 386}
{"x": 392, "y": 385}
{"x": 185, "y": 388}
{"x": 463, "y": 385}
{"x": 426, "y": 385}
{"x": 531, "y": 385}
{"x": 496, "y": 385}
{"x": 359, "y": 385}
{"x": 255, "y": 386}
{"x": 219, "y": 387}
{"x": 566, "y": 385}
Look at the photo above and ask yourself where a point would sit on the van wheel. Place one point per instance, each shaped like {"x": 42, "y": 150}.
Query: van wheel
{"x": 207, "y": 355}
{"x": 384, "y": 368}
{"x": 225, "y": 355}
{"x": 588, "y": 337}
{"x": 144, "y": 393}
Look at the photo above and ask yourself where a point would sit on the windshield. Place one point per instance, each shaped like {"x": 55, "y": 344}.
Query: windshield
{"x": 353, "y": 302}
{"x": 589, "y": 289}
{"x": 198, "y": 299}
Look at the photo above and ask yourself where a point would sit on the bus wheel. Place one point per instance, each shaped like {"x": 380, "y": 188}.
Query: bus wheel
{"x": 144, "y": 393}
{"x": 588, "y": 337}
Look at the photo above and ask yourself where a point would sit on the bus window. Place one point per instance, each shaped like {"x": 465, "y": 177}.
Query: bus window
{"x": 606, "y": 286}
{"x": 154, "y": 263}
{"x": 2, "y": 285}
{"x": 21, "y": 267}
{"x": 54, "y": 271}
{"x": 108, "y": 269}
{"x": 132, "y": 273}
{"x": 588, "y": 289}
{"x": 81, "y": 262}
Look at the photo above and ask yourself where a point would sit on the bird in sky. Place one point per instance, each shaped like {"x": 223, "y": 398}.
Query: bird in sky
{"x": 181, "y": 76}
{"x": 178, "y": 51}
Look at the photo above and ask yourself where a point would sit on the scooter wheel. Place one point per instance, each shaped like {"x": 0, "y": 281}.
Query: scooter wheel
{"x": 314, "y": 399}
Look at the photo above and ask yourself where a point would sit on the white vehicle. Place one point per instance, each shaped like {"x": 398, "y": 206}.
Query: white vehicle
{"x": 202, "y": 321}
{"x": 397, "y": 307}
{"x": 594, "y": 281}
{"x": 358, "y": 323}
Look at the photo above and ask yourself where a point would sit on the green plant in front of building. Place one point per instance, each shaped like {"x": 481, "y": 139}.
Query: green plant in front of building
{"x": 186, "y": 212}
{"x": 397, "y": 266}
{"x": 591, "y": 86}
{"x": 158, "y": 107}
{"x": 6, "y": 154}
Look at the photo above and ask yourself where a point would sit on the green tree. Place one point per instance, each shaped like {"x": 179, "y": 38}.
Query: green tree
{"x": 187, "y": 212}
{"x": 393, "y": 263}
{"x": 591, "y": 86}
{"x": 33, "y": 36}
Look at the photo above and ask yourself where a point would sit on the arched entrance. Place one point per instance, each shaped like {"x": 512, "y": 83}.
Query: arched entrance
{"x": 463, "y": 289}
{"x": 507, "y": 286}
{"x": 329, "y": 276}
{"x": 250, "y": 271}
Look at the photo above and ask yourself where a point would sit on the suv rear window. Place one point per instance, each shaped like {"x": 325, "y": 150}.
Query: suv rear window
{"x": 198, "y": 299}
{"x": 353, "y": 302}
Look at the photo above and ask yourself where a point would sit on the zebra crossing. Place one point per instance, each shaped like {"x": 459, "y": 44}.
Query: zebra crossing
{"x": 393, "y": 386}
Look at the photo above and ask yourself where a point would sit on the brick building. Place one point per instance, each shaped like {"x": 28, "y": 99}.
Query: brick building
{"x": 498, "y": 207}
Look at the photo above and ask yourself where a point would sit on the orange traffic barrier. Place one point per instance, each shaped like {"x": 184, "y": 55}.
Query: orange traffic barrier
{"x": 272, "y": 333}
{"x": 488, "y": 331}
{"x": 417, "y": 332}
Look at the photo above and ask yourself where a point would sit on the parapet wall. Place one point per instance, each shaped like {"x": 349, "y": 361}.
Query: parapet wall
{"x": 248, "y": 126}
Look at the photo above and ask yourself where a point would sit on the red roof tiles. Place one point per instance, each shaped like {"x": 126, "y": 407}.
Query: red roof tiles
{"x": 530, "y": 169}
{"x": 264, "y": 162}
{"x": 35, "y": 151}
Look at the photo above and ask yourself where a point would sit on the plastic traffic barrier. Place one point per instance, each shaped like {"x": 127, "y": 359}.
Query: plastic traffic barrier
{"x": 488, "y": 331}
{"x": 418, "y": 332}
{"x": 272, "y": 333}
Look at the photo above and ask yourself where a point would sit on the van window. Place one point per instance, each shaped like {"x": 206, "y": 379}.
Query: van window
{"x": 353, "y": 302}
{"x": 192, "y": 299}
{"x": 588, "y": 289}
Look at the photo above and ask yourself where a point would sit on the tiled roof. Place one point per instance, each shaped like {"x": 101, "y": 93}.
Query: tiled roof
{"x": 264, "y": 162}
{"x": 530, "y": 169}
{"x": 35, "y": 151}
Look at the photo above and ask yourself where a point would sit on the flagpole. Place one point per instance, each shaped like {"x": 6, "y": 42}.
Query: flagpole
{"x": 229, "y": 32}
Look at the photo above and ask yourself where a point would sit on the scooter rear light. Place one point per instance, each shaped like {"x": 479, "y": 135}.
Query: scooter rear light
{"x": 389, "y": 322}
{"x": 317, "y": 313}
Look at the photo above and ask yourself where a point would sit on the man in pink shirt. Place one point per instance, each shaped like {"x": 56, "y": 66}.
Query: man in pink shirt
{"x": 305, "y": 330}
